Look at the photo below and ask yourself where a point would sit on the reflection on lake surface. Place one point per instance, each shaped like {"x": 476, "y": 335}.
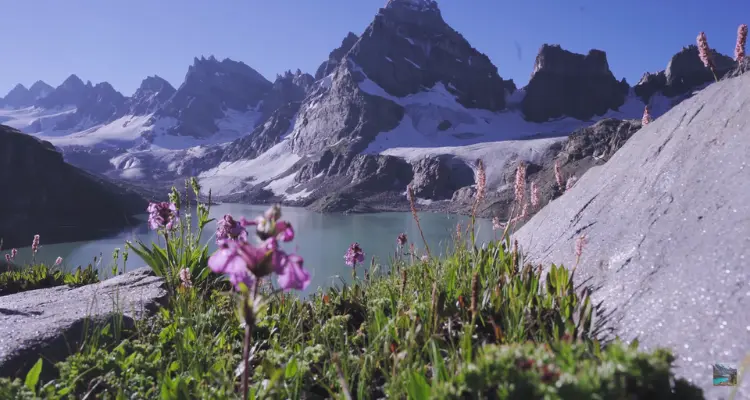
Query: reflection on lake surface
{"x": 321, "y": 239}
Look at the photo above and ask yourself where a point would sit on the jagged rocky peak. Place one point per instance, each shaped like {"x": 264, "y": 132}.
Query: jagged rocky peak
{"x": 564, "y": 83}
{"x": 287, "y": 88}
{"x": 212, "y": 87}
{"x": 334, "y": 58}
{"x": 40, "y": 89}
{"x": 153, "y": 92}
{"x": 414, "y": 5}
{"x": 69, "y": 93}
{"x": 19, "y": 96}
{"x": 225, "y": 69}
{"x": 409, "y": 48}
{"x": 553, "y": 59}
{"x": 684, "y": 73}
{"x": 97, "y": 104}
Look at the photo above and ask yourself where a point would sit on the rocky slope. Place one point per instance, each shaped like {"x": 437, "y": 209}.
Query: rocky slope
{"x": 668, "y": 239}
{"x": 46, "y": 196}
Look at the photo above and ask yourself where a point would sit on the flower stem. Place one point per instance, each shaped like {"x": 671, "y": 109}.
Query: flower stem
{"x": 245, "y": 357}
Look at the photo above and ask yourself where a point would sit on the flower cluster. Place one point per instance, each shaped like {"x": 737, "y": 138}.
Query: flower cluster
{"x": 354, "y": 255}
{"x": 245, "y": 262}
{"x": 228, "y": 228}
{"x": 163, "y": 215}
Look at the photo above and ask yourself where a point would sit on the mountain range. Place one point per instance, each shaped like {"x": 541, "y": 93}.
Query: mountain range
{"x": 409, "y": 100}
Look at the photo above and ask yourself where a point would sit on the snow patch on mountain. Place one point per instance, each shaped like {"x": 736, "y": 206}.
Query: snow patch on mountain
{"x": 434, "y": 118}
{"x": 23, "y": 118}
{"x": 122, "y": 131}
{"x": 231, "y": 177}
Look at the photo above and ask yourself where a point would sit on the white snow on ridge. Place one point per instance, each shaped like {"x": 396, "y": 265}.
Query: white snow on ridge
{"x": 127, "y": 129}
{"x": 495, "y": 155}
{"x": 426, "y": 110}
{"x": 231, "y": 177}
{"x": 22, "y": 118}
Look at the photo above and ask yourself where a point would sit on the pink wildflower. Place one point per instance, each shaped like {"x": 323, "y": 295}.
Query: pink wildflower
{"x": 520, "y": 186}
{"x": 162, "y": 215}
{"x": 244, "y": 263}
{"x": 704, "y": 52}
{"x": 646, "y": 116}
{"x": 58, "y": 261}
{"x": 185, "y": 278}
{"x": 13, "y": 254}
{"x": 228, "y": 228}
{"x": 35, "y": 244}
{"x": 8, "y": 258}
{"x": 354, "y": 255}
{"x": 739, "y": 49}
{"x": 534, "y": 195}
{"x": 558, "y": 174}
{"x": 425, "y": 258}
{"x": 481, "y": 181}
{"x": 294, "y": 275}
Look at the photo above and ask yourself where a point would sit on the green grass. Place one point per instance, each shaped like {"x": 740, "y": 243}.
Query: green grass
{"x": 407, "y": 332}
{"x": 41, "y": 276}
{"x": 476, "y": 324}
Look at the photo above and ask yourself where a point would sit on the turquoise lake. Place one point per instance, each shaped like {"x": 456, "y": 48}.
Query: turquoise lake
{"x": 321, "y": 239}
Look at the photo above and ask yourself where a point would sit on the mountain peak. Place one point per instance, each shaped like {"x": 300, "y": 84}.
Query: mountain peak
{"x": 416, "y": 5}
{"x": 19, "y": 96}
{"x": 73, "y": 81}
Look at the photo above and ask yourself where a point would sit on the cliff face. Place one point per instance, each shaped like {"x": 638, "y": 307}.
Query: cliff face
{"x": 569, "y": 84}
{"x": 41, "y": 194}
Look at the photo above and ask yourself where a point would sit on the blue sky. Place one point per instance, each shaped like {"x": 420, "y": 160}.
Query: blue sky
{"x": 123, "y": 41}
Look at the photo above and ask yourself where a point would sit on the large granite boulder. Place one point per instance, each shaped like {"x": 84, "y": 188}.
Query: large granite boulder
{"x": 573, "y": 85}
{"x": 47, "y": 323}
{"x": 46, "y": 196}
{"x": 438, "y": 177}
{"x": 668, "y": 236}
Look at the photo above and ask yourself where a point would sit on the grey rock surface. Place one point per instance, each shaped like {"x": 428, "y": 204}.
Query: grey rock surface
{"x": 437, "y": 178}
{"x": 335, "y": 57}
{"x": 569, "y": 84}
{"x": 668, "y": 226}
{"x": 48, "y": 322}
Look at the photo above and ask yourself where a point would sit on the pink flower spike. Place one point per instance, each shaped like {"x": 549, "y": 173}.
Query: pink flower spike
{"x": 35, "y": 244}
{"x": 185, "y": 278}
{"x": 534, "y": 195}
{"x": 739, "y": 49}
{"x": 58, "y": 261}
{"x": 13, "y": 254}
{"x": 8, "y": 258}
